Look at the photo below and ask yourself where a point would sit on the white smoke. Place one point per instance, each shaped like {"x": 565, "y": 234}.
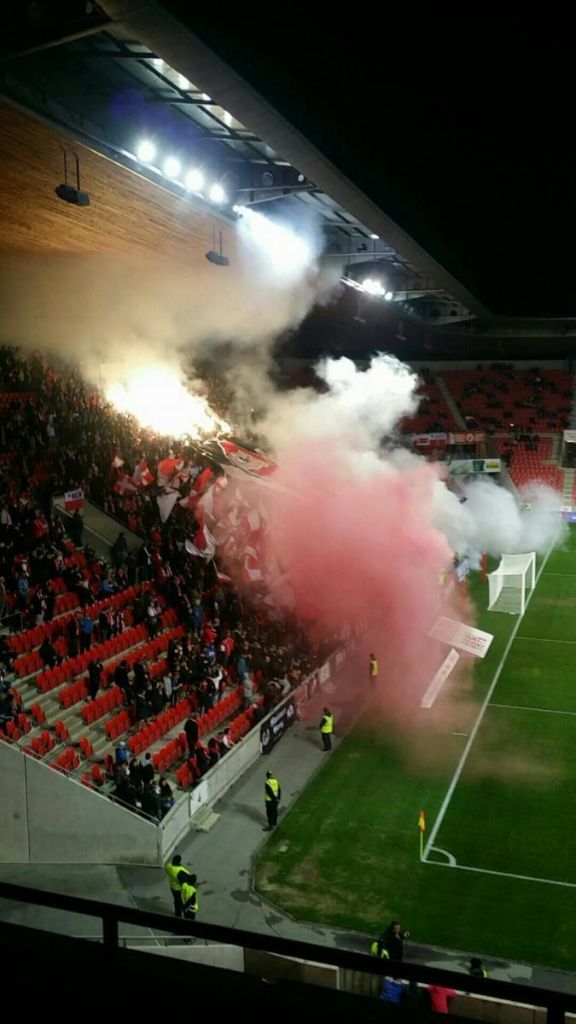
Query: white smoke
{"x": 362, "y": 407}
{"x": 361, "y": 413}
{"x": 490, "y": 519}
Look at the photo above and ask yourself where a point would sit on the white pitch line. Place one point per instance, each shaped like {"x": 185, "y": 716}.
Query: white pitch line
{"x": 451, "y": 859}
{"x": 545, "y": 639}
{"x": 523, "y": 707}
{"x": 501, "y": 874}
{"x": 477, "y": 723}
{"x": 460, "y": 734}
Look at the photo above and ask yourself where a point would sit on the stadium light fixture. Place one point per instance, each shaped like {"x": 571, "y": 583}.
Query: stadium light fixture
{"x": 194, "y": 180}
{"x": 217, "y": 193}
{"x": 146, "y": 151}
{"x": 374, "y": 237}
{"x": 388, "y": 296}
{"x": 171, "y": 167}
{"x": 372, "y": 286}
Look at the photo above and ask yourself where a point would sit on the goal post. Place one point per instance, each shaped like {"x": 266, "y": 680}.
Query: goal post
{"x": 511, "y": 583}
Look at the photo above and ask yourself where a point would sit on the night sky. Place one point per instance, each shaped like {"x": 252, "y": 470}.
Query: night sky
{"x": 461, "y": 130}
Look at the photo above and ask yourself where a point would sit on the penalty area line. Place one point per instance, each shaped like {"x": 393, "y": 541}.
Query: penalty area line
{"x": 544, "y": 639}
{"x": 524, "y": 707}
{"x": 465, "y": 753}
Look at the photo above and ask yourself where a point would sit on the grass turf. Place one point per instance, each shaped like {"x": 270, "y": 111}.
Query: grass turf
{"x": 347, "y": 852}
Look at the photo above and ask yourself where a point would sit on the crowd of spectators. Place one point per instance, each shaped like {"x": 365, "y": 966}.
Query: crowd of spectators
{"x": 58, "y": 437}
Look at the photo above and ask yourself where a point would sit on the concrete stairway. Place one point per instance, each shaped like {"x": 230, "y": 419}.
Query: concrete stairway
{"x": 443, "y": 387}
{"x": 568, "y": 488}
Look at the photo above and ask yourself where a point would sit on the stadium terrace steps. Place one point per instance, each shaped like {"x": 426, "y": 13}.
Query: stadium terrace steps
{"x": 205, "y": 819}
{"x": 72, "y": 717}
{"x": 445, "y": 391}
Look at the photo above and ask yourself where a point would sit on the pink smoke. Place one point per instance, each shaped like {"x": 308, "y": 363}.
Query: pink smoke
{"x": 358, "y": 548}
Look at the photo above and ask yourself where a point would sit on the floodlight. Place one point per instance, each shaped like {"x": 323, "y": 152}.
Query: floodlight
{"x": 217, "y": 193}
{"x": 372, "y": 286}
{"x": 194, "y": 180}
{"x": 171, "y": 167}
{"x": 146, "y": 151}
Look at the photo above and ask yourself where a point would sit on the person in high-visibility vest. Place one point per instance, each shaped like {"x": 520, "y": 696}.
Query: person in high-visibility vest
{"x": 173, "y": 870}
{"x": 327, "y": 728}
{"x": 190, "y": 898}
{"x": 378, "y": 948}
{"x": 374, "y": 669}
{"x": 272, "y": 794}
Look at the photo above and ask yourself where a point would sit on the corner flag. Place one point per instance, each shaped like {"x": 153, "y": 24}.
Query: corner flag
{"x": 422, "y": 828}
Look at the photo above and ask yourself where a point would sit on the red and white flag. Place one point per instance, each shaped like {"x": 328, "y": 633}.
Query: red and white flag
{"x": 202, "y": 480}
{"x": 167, "y": 468}
{"x": 125, "y": 485}
{"x": 206, "y": 502}
{"x": 74, "y": 500}
{"x": 202, "y": 544}
{"x": 251, "y": 462}
{"x": 252, "y": 520}
{"x": 252, "y": 568}
{"x": 142, "y": 475}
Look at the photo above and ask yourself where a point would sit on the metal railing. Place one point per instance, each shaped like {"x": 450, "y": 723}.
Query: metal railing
{"x": 556, "y": 1004}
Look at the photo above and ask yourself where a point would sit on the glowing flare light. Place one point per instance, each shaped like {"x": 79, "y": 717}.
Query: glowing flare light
{"x": 159, "y": 400}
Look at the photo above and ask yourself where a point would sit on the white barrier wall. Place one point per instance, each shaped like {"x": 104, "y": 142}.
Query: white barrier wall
{"x": 49, "y": 818}
{"x": 14, "y": 810}
{"x": 71, "y": 824}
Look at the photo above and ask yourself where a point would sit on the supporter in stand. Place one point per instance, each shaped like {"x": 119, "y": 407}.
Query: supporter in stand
{"x": 166, "y": 795}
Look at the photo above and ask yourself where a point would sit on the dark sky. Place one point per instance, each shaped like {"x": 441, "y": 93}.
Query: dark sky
{"x": 462, "y": 130}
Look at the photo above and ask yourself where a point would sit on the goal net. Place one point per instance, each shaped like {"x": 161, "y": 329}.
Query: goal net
{"x": 511, "y": 583}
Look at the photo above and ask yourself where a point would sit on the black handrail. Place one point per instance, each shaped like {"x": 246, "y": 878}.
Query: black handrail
{"x": 555, "y": 1003}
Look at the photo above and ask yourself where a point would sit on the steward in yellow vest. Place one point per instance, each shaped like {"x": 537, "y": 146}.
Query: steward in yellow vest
{"x": 374, "y": 668}
{"x": 327, "y": 728}
{"x": 174, "y": 869}
{"x": 378, "y": 948}
{"x": 190, "y": 898}
{"x": 272, "y": 796}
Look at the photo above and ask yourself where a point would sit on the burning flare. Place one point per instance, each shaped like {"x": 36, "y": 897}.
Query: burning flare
{"x": 159, "y": 400}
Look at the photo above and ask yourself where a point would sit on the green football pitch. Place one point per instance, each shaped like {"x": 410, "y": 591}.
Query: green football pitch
{"x": 493, "y": 765}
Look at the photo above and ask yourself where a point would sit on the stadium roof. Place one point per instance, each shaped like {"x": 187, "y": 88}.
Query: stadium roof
{"x": 398, "y": 137}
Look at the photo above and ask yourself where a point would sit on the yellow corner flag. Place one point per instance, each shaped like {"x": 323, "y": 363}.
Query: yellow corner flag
{"x": 422, "y": 828}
